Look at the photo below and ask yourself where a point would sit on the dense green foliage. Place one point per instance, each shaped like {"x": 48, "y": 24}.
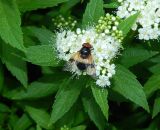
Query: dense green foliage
{"x": 36, "y": 94}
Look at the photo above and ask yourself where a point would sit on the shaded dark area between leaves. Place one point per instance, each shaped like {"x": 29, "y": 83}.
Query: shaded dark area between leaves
{"x": 34, "y": 72}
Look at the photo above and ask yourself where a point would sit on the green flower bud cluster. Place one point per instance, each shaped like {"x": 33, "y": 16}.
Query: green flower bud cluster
{"x": 62, "y": 22}
{"x": 64, "y": 128}
{"x": 108, "y": 25}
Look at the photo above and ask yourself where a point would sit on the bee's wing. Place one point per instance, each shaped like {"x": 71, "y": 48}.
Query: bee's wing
{"x": 91, "y": 67}
{"x": 70, "y": 66}
{"x": 91, "y": 70}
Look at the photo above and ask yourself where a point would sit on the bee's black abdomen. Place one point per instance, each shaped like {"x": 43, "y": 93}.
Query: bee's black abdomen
{"x": 81, "y": 66}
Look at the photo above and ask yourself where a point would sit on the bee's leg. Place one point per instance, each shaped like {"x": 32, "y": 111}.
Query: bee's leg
{"x": 74, "y": 75}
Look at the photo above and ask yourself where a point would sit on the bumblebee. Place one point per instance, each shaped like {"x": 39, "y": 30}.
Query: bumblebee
{"x": 82, "y": 60}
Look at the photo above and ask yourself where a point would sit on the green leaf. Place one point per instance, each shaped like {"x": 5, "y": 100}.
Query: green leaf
{"x": 81, "y": 127}
{"x": 23, "y": 123}
{"x": 44, "y": 55}
{"x": 32, "y": 128}
{"x": 71, "y": 115}
{"x": 111, "y": 5}
{"x": 44, "y": 35}
{"x": 155, "y": 59}
{"x": 80, "y": 115}
{"x": 100, "y": 96}
{"x": 10, "y": 23}
{"x": 154, "y": 125}
{"x": 94, "y": 112}
{"x": 116, "y": 97}
{"x": 4, "y": 108}
{"x": 28, "y": 40}
{"x": 66, "y": 97}
{"x": 38, "y": 127}
{"x": 13, "y": 117}
{"x": 127, "y": 24}
{"x": 40, "y": 116}
{"x": 126, "y": 84}
{"x": 43, "y": 87}
{"x": 68, "y": 5}
{"x": 1, "y": 77}
{"x": 132, "y": 56}
{"x": 152, "y": 85}
{"x": 28, "y": 5}
{"x": 156, "y": 107}
{"x": 14, "y": 64}
{"x": 155, "y": 69}
{"x": 93, "y": 12}
{"x": 3, "y": 118}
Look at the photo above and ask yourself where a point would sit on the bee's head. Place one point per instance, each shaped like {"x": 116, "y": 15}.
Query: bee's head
{"x": 87, "y": 45}
{"x": 85, "y": 50}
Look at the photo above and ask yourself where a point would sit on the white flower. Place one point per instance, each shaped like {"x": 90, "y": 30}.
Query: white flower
{"x": 105, "y": 49}
{"x": 149, "y": 16}
{"x": 103, "y": 81}
{"x": 148, "y": 33}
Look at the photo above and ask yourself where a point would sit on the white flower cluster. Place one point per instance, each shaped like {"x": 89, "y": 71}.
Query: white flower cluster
{"x": 105, "y": 48}
{"x": 149, "y": 17}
